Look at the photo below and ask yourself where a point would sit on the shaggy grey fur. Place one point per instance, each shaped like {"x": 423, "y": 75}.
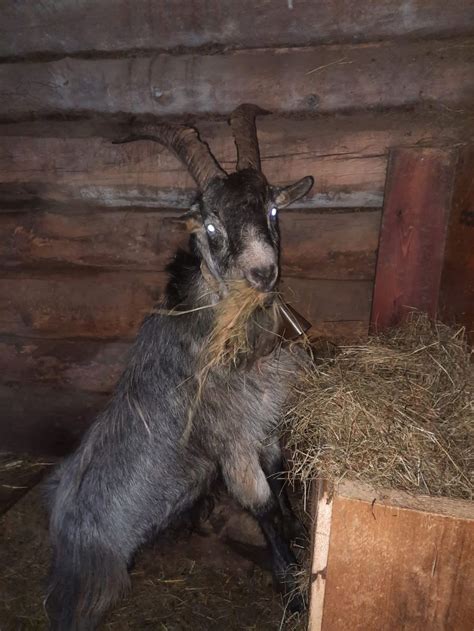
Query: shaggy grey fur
{"x": 133, "y": 472}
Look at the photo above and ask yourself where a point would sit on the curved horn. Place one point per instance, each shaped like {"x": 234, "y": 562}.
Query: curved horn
{"x": 186, "y": 144}
{"x": 242, "y": 123}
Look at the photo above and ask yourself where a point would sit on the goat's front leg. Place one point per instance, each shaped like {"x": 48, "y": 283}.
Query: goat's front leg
{"x": 248, "y": 483}
{"x": 274, "y": 467}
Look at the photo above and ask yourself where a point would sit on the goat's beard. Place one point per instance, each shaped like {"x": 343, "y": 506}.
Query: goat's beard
{"x": 248, "y": 325}
{"x": 245, "y": 327}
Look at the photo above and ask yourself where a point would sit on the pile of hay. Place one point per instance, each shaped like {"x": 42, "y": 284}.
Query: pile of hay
{"x": 397, "y": 411}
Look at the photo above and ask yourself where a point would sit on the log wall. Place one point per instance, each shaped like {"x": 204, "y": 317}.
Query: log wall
{"x": 87, "y": 227}
{"x": 70, "y": 27}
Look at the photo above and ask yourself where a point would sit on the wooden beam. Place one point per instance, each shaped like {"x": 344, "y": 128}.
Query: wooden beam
{"x": 318, "y": 80}
{"x": 338, "y": 245}
{"x": 41, "y": 420}
{"x": 95, "y": 365}
{"x": 413, "y": 233}
{"x": 91, "y": 303}
{"x": 83, "y": 365}
{"x": 86, "y": 25}
{"x": 320, "y": 545}
{"x": 446, "y": 506}
{"x": 338, "y": 310}
{"x": 86, "y": 303}
{"x": 68, "y": 161}
{"x": 457, "y": 282}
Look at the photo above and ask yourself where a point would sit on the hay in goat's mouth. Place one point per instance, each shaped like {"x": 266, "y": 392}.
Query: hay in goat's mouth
{"x": 230, "y": 340}
{"x": 396, "y": 411}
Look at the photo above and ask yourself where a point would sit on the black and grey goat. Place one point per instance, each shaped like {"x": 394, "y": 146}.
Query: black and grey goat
{"x": 133, "y": 473}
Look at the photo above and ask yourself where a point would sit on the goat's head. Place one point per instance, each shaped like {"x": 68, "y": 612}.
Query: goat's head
{"x": 234, "y": 221}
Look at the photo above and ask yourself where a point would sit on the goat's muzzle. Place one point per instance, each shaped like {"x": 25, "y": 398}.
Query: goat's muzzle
{"x": 263, "y": 277}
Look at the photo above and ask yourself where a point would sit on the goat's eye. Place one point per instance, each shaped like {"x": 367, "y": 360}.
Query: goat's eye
{"x": 273, "y": 212}
{"x": 211, "y": 228}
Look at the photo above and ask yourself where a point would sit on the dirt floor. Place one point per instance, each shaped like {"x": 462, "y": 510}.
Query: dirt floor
{"x": 208, "y": 574}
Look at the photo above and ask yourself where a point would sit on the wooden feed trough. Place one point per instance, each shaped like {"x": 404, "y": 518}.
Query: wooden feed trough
{"x": 390, "y": 560}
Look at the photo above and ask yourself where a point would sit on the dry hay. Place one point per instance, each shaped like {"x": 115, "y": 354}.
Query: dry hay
{"x": 396, "y": 411}
{"x": 240, "y": 317}
{"x": 230, "y": 338}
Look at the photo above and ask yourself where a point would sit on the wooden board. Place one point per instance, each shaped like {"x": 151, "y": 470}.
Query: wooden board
{"x": 101, "y": 304}
{"x": 88, "y": 236}
{"x": 58, "y": 161}
{"x": 396, "y": 567}
{"x": 96, "y": 365}
{"x": 41, "y": 420}
{"x": 457, "y": 282}
{"x": 317, "y": 80}
{"x": 90, "y": 304}
{"x": 337, "y": 309}
{"x": 413, "y": 234}
{"x": 87, "y": 25}
{"x": 82, "y": 365}
{"x": 443, "y": 506}
{"x": 338, "y": 245}
{"x": 322, "y": 501}
{"x": 52, "y": 387}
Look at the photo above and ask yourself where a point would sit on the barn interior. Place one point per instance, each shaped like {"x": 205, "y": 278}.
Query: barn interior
{"x": 375, "y": 99}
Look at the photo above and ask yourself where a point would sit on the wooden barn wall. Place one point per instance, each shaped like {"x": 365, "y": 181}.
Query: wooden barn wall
{"x": 87, "y": 227}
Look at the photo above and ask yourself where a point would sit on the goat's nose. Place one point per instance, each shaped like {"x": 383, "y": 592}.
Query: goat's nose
{"x": 264, "y": 277}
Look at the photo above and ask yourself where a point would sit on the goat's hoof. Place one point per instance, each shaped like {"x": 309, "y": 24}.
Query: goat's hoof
{"x": 296, "y": 602}
{"x": 295, "y": 531}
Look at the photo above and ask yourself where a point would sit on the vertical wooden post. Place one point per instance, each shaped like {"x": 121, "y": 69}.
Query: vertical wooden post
{"x": 457, "y": 282}
{"x": 321, "y": 534}
{"x": 413, "y": 233}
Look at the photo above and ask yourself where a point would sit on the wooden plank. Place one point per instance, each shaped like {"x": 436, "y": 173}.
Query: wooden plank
{"x": 413, "y": 234}
{"x": 355, "y": 489}
{"x": 87, "y": 365}
{"x": 92, "y": 304}
{"x": 457, "y": 283}
{"x": 54, "y": 306}
{"x": 338, "y": 310}
{"x": 337, "y": 245}
{"x": 45, "y": 420}
{"x": 398, "y": 568}
{"x": 69, "y": 161}
{"x": 96, "y": 365}
{"x": 317, "y": 80}
{"x": 102, "y": 304}
{"x": 320, "y": 547}
{"x": 142, "y": 239}
{"x": 70, "y": 26}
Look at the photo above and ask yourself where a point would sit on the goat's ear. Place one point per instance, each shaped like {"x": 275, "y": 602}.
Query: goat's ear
{"x": 193, "y": 219}
{"x": 289, "y": 194}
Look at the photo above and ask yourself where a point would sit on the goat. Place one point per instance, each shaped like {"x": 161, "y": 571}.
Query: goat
{"x": 133, "y": 473}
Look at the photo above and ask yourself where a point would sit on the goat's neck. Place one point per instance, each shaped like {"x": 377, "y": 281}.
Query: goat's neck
{"x": 191, "y": 284}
